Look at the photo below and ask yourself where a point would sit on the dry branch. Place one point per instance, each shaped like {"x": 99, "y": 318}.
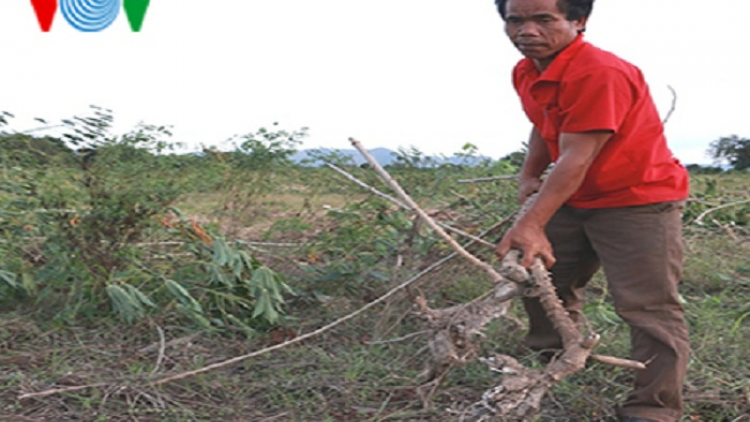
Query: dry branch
{"x": 296, "y": 340}
{"x": 699, "y": 220}
{"x": 351, "y": 177}
{"x": 162, "y": 350}
{"x": 405, "y": 206}
{"x": 489, "y": 179}
{"x": 674, "y": 105}
{"x": 454, "y": 329}
{"x": 518, "y": 397}
{"x": 396, "y": 340}
{"x": 491, "y": 273}
{"x": 54, "y": 391}
{"x": 623, "y": 363}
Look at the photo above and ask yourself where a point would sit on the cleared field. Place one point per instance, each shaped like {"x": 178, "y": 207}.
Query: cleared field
{"x": 67, "y": 352}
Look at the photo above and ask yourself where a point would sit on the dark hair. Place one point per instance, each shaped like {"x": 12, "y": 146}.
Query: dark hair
{"x": 573, "y": 9}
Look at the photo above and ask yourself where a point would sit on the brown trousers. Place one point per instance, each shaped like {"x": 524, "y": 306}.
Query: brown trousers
{"x": 640, "y": 249}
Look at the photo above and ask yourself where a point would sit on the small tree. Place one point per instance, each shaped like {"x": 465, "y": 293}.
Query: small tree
{"x": 733, "y": 150}
{"x": 252, "y": 171}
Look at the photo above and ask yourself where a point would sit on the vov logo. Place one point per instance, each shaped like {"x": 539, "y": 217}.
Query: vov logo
{"x": 90, "y": 15}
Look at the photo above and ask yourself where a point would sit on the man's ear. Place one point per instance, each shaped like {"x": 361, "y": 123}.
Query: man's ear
{"x": 580, "y": 23}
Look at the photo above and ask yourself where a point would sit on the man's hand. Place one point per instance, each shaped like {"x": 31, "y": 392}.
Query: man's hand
{"x": 530, "y": 240}
{"x": 528, "y": 186}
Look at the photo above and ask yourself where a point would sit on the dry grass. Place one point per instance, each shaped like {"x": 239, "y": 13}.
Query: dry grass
{"x": 352, "y": 374}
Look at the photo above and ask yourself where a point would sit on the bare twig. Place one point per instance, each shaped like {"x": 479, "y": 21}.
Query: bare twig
{"x": 49, "y": 211}
{"x": 38, "y": 129}
{"x": 727, "y": 228}
{"x": 674, "y": 104}
{"x": 241, "y": 242}
{"x": 162, "y": 348}
{"x": 396, "y": 340}
{"x": 491, "y": 273}
{"x": 277, "y": 244}
{"x": 407, "y": 207}
{"x": 181, "y": 243}
{"x": 624, "y": 363}
{"x": 489, "y": 179}
{"x": 699, "y": 220}
{"x": 365, "y": 185}
{"x": 171, "y": 343}
{"x": 54, "y": 391}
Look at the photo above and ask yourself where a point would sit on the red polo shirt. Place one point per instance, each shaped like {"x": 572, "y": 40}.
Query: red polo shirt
{"x": 586, "y": 89}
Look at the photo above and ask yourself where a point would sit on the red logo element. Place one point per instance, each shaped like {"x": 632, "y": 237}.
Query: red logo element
{"x": 45, "y": 12}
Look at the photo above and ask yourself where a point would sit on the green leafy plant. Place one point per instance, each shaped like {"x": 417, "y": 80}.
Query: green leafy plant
{"x": 80, "y": 236}
{"x": 221, "y": 284}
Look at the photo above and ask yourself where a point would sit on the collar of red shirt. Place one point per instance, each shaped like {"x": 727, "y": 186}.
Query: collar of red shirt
{"x": 556, "y": 69}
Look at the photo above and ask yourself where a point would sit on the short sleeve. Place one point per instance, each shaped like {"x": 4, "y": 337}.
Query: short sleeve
{"x": 597, "y": 100}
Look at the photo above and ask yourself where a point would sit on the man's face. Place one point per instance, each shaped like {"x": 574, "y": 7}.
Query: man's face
{"x": 539, "y": 29}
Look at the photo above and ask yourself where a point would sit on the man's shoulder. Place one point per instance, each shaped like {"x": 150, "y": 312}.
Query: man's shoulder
{"x": 592, "y": 59}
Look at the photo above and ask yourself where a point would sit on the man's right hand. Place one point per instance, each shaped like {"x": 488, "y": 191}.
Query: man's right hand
{"x": 528, "y": 186}
{"x": 530, "y": 240}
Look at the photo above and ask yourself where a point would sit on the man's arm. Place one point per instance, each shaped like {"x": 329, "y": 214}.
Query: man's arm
{"x": 577, "y": 152}
{"x": 536, "y": 162}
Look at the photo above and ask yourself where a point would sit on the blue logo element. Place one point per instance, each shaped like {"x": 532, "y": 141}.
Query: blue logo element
{"x": 90, "y": 15}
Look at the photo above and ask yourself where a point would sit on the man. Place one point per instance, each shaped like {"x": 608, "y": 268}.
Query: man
{"x": 613, "y": 199}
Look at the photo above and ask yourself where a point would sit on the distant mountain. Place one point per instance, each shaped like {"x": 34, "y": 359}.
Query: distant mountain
{"x": 383, "y": 156}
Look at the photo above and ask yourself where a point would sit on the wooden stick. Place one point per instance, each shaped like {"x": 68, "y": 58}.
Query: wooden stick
{"x": 407, "y": 207}
{"x": 162, "y": 351}
{"x": 365, "y": 185}
{"x": 493, "y": 275}
{"x": 489, "y": 179}
{"x": 46, "y": 393}
{"x": 672, "y": 108}
{"x": 625, "y": 363}
{"x": 699, "y": 220}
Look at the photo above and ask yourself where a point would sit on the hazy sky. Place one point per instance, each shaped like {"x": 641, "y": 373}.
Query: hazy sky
{"x": 433, "y": 74}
